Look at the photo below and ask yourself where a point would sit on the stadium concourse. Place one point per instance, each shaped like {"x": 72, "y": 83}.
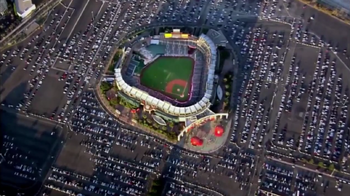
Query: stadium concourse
{"x": 207, "y": 134}
{"x": 218, "y": 131}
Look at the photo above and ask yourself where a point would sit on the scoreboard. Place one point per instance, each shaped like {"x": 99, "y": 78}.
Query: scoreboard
{"x": 176, "y": 34}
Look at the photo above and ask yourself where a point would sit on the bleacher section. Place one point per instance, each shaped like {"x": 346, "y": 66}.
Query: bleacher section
{"x": 146, "y": 54}
{"x": 156, "y": 49}
{"x": 139, "y": 67}
{"x": 132, "y": 66}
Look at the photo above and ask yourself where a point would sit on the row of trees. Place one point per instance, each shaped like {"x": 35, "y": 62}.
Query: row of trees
{"x": 105, "y": 86}
{"x": 126, "y": 103}
{"x": 156, "y": 187}
{"x": 320, "y": 164}
{"x": 151, "y": 124}
{"x": 329, "y": 10}
{"x": 115, "y": 59}
{"x": 228, "y": 79}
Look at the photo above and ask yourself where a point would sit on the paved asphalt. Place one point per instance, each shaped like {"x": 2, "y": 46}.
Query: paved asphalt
{"x": 81, "y": 42}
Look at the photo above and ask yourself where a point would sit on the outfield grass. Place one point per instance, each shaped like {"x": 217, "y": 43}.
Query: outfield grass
{"x": 170, "y": 76}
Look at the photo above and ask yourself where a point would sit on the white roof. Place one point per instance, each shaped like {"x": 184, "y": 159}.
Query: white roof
{"x": 153, "y": 41}
{"x": 200, "y": 106}
{"x": 23, "y": 5}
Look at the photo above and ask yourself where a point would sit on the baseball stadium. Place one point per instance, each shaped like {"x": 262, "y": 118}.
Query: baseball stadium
{"x": 170, "y": 75}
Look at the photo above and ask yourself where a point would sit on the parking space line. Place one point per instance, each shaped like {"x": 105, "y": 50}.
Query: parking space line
{"x": 342, "y": 62}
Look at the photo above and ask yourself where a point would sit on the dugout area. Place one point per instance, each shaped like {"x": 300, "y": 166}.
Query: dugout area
{"x": 171, "y": 76}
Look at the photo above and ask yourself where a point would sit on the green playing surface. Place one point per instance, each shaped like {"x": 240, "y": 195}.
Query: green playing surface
{"x": 170, "y": 76}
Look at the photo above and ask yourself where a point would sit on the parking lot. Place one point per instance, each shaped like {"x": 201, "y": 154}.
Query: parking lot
{"x": 286, "y": 180}
{"x": 97, "y": 137}
{"x": 28, "y": 148}
{"x": 265, "y": 76}
{"x": 293, "y": 92}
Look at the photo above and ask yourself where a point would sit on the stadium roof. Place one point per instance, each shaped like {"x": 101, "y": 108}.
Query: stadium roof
{"x": 167, "y": 107}
{"x": 218, "y": 37}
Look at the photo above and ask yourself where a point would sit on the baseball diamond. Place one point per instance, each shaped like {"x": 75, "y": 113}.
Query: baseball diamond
{"x": 170, "y": 76}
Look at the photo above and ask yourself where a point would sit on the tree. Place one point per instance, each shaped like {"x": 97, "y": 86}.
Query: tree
{"x": 136, "y": 117}
{"x": 105, "y": 86}
{"x": 171, "y": 124}
{"x": 149, "y": 121}
{"x": 156, "y": 125}
{"x": 227, "y": 93}
{"x": 331, "y": 167}
{"x": 321, "y": 164}
{"x": 311, "y": 161}
{"x": 114, "y": 101}
{"x": 144, "y": 116}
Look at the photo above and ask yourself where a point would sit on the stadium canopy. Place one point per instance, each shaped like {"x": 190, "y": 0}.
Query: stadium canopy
{"x": 219, "y": 130}
{"x": 195, "y": 141}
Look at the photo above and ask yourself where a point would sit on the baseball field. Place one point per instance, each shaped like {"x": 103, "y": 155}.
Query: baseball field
{"x": 170, "y": 76}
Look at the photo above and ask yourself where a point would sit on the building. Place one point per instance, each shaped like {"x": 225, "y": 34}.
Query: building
{"x": 3, "y": 6}
{"x": 157, "y": 104}
{"x": 24, "y": 7}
